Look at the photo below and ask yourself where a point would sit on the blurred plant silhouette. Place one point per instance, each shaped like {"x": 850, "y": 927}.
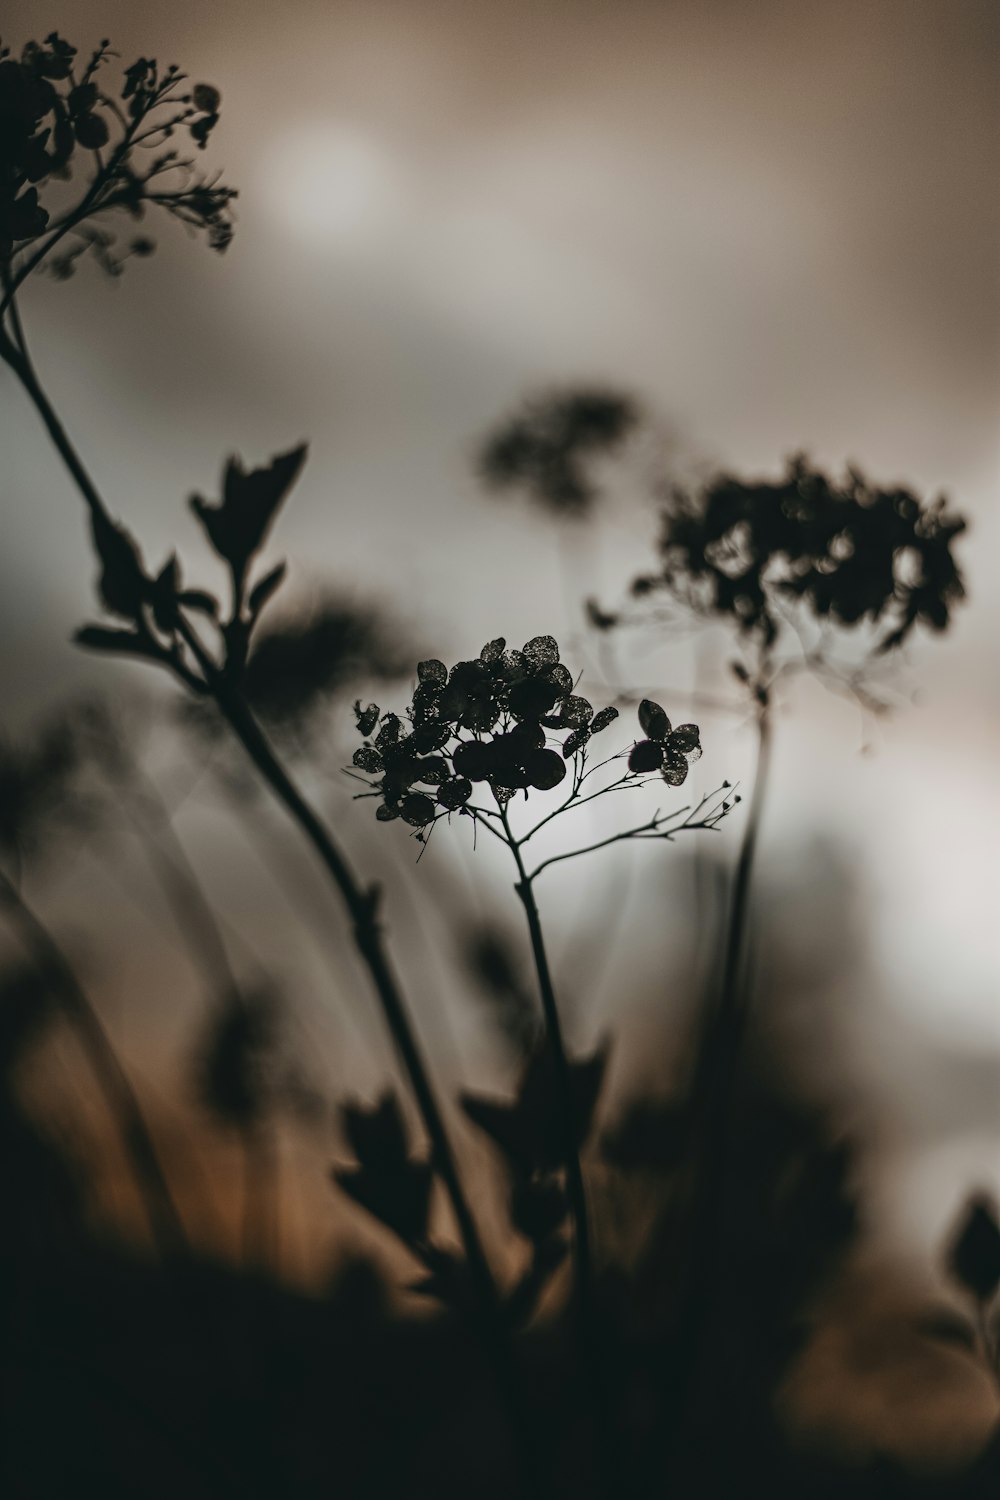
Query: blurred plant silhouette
{"x": 58, "y": 122}
{"x": 488, "y": 722}
{"x": 548, "y": 448}
{"x": 735, "y": 1200}
{"x": 749, "y": 551}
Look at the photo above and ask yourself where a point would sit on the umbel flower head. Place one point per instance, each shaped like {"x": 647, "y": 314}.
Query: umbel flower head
{"x": 59, "y": 119}
{"x": 509, "y": 721}
{"x": 848, "y": 551}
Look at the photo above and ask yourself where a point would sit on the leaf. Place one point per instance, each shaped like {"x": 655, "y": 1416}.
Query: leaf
{"x": 541, "y": 651}
{"x": 507, "y": 1126}
{"x": 531, "y": 1132}
{"x": 654, "y": 721}
{"x": 575, "y": 742}
{"x": 123, "y": 584}
{"x": 675, "y": 767}
{"x": 130, "y": 642}
{"x": 399, "y": 1198}
{"x": 237, "y": 527}
{"x": 974, "y": 1257}
{"x": 602, "y": 719}
{"x": 432, "y": 671}
{"x": 368, "y": 759}
{"x": 686, "y": 739}
{"x": 647, "y": 755}
{"x": 200, "y": 600}
{"x": 164, "y": 595}
{"x": 268, "y": 586}
{"x": 206, "y": 97}
{"x": 91, "y": 131}
{"x": 544, "y": 769}
{"x": 377, "y": 1135}
{"x": 366, "y": 718}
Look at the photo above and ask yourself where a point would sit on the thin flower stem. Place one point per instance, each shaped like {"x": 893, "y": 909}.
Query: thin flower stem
{"x": 564, "y": 1081}
{"x": 733, "y": 995}
{"x": 150, "y": 1179}
{"x": 713, "y": 1095}
{"x": 361, "y": 904}
{"x": 595, "y": 1376}
{"x": 655, "y": 828}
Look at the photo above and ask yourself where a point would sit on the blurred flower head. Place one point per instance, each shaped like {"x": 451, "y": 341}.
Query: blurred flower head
{"x": 546, "y": 448}
{"x": 847, "y": 552}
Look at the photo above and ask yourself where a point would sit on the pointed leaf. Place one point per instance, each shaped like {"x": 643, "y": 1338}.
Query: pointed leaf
{"x": 129, "y": 642}
{"x": 263, "y": 591}
{"x": 200, "y": 600}
{"x": 237, "y": 527}
{"x": 974, "y": 1258}
{"x": 377, "y": 1135}
{"x": 399, "y": 1198}
{"x": 123, "y": 585}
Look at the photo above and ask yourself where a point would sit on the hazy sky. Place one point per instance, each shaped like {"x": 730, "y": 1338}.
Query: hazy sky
{"x": 777, "y": 222}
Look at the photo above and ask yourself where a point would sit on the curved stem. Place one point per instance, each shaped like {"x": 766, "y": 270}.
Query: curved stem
{"x": 20, "y": 363}
{"x": 361, "y": 905}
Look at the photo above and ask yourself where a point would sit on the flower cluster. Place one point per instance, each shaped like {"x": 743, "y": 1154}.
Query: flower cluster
{"x": 849, "y": 551}
{"x": 52, "y": 105}
{"x": 547, "y": 448}
{"x": 665, "y": 749}
{"x": 509, "y": 720}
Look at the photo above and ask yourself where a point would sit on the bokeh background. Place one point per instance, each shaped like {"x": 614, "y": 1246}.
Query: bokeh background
{"x": 775, "y": 223}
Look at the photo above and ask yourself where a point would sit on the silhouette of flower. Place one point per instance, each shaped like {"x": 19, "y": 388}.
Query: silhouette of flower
{"x": 52, "y": 108}
{"x": 544, "y": 449}
{"x": 496, "y": 720}
{"x": 665, "y": 749}
{"x": 849, "y": 551}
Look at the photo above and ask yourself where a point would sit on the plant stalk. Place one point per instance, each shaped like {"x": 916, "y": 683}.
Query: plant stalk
{"x": 361, "y": 904}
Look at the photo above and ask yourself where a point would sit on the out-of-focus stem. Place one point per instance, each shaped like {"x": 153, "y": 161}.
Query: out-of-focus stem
{"x": 150, "y": 1179}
